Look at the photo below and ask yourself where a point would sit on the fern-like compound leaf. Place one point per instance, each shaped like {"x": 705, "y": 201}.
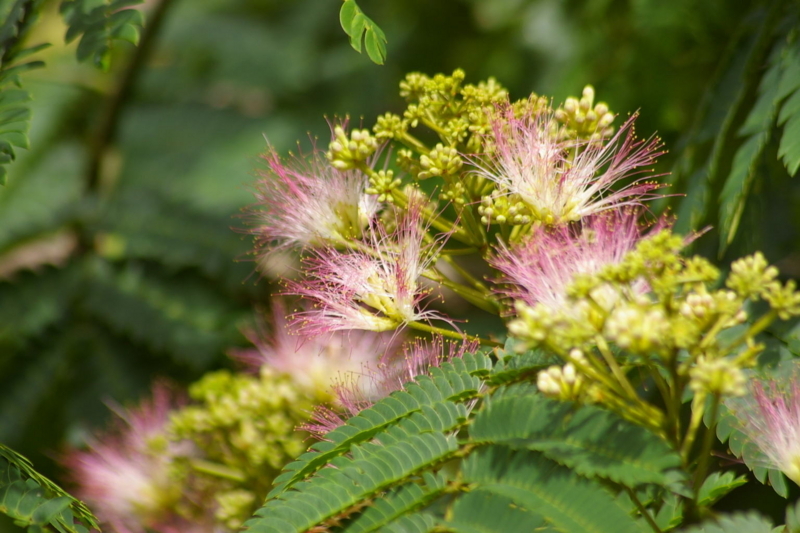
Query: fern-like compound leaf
{"x": 590, "y": 440}
{"x": 100, "y": 25}
{"x": 397, "y": 503}
{"x": 487, "y": 512}
{"x": 34, "y": 502}
{"x": 453, "y": 381}
{"x": 569, "y": 502}
{"x": 338, "y": 492}
{"x": 736, "y": 523}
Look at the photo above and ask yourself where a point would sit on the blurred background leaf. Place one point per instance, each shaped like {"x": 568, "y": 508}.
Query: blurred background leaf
{"x": 122, "y": 256}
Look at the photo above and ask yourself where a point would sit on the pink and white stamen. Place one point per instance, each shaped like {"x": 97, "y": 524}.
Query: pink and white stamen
{"x": 770, "y": 418}
{"x": 540, "y": 269}
{"x": 359, "y": 391}
{"x": 313, "y": 362}
{"x": 374, "y": 286}
{"x": 125, "y": 476}
{"x": 564, "y": 180}
{"x": 307, "y": 202}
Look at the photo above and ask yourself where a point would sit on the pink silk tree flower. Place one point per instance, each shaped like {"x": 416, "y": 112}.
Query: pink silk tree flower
{"x": 373, "y": 287}
{"x": 564, "y": 180}
{"x": 308, "y": 202}
{"x": 770, "y": 419}
{"x": 313, "y": 362}
{"x": 540, "y": 269}
{"x": 124, "y": 475}
{"x": 360, "y": 391}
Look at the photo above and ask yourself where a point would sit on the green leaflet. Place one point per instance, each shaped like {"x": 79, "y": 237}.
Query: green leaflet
{"x": 569, "y": 502}
{"x": 789, "y": 118}
{"x": 728, "y": 429}
{"x": 336, "y": 492}
{"x": 737, "y": 523}
{"x": 717, "y": 485}
{"x": 174, "y": 316}
{"x": 99, "y": 25}
{"x": 33, "y": 501}
{"x": 592, "y": 441}
{"x": 397, "y": 503}
{"x": 487, "y": 512}
{"x": 758, "y": 127}
{"x": 360, "y": 27}
{"x": 452, "y": 381}
{"x": 15, "y": 114}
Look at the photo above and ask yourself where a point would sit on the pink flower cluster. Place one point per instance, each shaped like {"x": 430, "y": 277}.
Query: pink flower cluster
{"x": 565, "y": 180}
{"x": 397, "y": 368}
{"x": 373, "y": 286}
{"x": 770, "y": 418}
{"x": 124, "y": 475}
{"x": 539, "y": 270}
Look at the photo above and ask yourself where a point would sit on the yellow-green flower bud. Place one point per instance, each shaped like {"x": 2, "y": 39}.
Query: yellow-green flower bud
{"x": 345, "y": 153}
{"x": 441, "y": 161}
{"x": 583, "y": 119}
{"x": 561, "y": 383}
{"x": 751, "y": 275}
{"x": 784, "y": 299}
{"x": 717, "y": 376}
{"x": 413, "y": 86}
{"x": 638, "y": 328}
{"x": 389, "y": 126}
{"x": 382, "y": 183}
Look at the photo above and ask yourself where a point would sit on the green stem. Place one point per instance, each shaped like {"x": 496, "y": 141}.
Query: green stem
{"x": 107, "y": 129}
{"x": 464, "y": 273}
{"x": 435, "y": 221}
{"x": 452, "y": 334}
{"x": 615, "y": 369}
{"x": 642, "y": 510}
{"x": 698, "y": 407}
{"x": 760, "y": 325}
{"x": 218, "y": 470}
{"x": 414, "y": 143}
{"x": 705, "y": 450}
{"x": 459, "y": 251}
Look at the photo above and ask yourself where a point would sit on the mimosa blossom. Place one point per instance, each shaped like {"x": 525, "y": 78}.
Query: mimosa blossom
{"x": 374, "y": 286}
{"x": 307, "y": 202}
{"x": 564, "y": 180}
{"x": 314, "y": 363}
{"x": 770, "y": 418}
{"x": 125, "y": 474}
{"x": 359, "y": 391}
{"x": 539, "y": 270}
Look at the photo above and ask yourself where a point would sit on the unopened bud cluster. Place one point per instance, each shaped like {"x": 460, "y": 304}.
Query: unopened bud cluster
{"x": 346, "y": 152}
{"x": 583, "y": 119}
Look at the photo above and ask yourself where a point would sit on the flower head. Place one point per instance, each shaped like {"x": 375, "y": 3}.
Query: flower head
{"x": 374, "y": 287}
{"x": 770, "y": 418}
{"x": 308, "y": 202}
{"x": 359, "y": 391}
{"x": 540, "y": 270}
{"x": 313, "y": 363}
{"x": 125, "y": 474}
{"x": 565, "y": 179}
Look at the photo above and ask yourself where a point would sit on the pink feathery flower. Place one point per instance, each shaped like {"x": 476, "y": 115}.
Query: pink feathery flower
{"x": 360, "y": 391}
{"x": 540, "y": 269}
{"x": 307, "y": 202}
{"x": 124, "y": 475}
{"x": 564, "y": 180}
{"x": 374, "y": 287}
{"x": 770, "y": 418}
{"x": 313, "y": 363}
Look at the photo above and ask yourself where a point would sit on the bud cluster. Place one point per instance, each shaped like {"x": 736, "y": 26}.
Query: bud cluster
{"x": 583, "y": 119}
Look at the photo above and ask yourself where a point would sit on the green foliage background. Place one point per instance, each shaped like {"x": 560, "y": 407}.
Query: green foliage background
{"x": 117, "y": 253}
